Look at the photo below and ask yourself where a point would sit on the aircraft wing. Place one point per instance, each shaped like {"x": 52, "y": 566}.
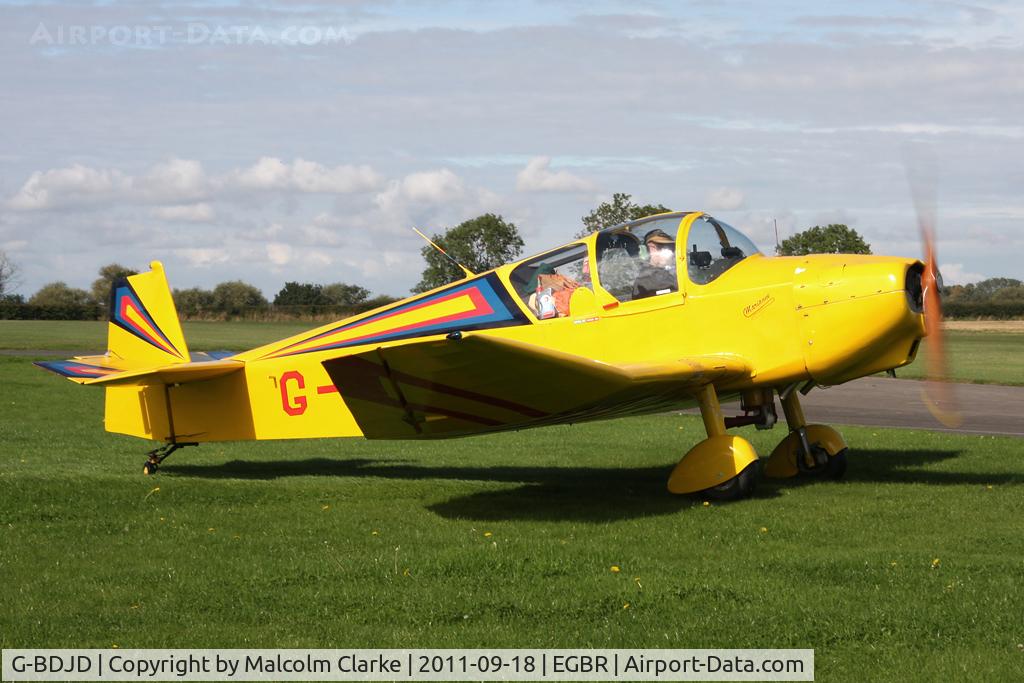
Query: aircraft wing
{"x": 478, "y": 383}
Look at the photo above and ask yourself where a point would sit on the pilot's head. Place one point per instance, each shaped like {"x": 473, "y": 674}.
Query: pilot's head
{"x": 660, "y": 248}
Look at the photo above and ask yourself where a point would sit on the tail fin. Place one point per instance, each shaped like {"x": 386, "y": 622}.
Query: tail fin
{"x": 144, "y": 327}
{"x": 146, "y": 357}
{"x": 143, "y": 331}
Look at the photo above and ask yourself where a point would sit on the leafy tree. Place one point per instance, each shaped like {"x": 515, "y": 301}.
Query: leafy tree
{"x": 480, "y": 244}
{"x": 236, "y": 297}
{"x": 300, "y": 294}
{"x": 8, "y": 274}
{"x": 995, "y": 287}
{"x": 342, "y": 294}
{"x": 59, "y": 294}
{"x": 619, "y": 210}
{"x": 193, "y": 302}
{"x": 107, "y": 275}
{"x": 834, "y": 238}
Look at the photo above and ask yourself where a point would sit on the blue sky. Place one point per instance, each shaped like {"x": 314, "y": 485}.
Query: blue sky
{"x": 302, "y": 141}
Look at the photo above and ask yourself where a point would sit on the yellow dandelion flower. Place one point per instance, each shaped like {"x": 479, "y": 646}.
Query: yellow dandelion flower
{"x": 935, "y": 563}
{"x": 764, "y": 530}
{"x": 375, "y": 533}
{"x": 487, "y": 534}
{"x": 211, "y": 529}
{"x": 707, "y": 503}
{"x": 625, "y": 606}
{"x": 988, "y": 487}
{"x": 615, "y": 569}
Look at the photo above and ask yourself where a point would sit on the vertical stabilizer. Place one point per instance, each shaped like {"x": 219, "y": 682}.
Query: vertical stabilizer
{"x": 144, "y": 326}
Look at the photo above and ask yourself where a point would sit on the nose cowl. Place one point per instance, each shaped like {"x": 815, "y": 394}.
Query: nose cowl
{"x": 858, "y": 314}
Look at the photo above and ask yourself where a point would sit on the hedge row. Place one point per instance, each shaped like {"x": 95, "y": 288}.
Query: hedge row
{"x": 1002, "y": 310}
{"x": 9, "y": 311}
{"x": 12, "y": 311}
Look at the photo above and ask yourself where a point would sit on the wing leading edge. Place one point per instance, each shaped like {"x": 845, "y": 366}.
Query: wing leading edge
{"x": 478, "y": 383}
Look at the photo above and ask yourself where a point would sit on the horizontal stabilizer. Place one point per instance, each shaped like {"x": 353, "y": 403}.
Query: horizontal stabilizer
{"x": 104, "y": 371}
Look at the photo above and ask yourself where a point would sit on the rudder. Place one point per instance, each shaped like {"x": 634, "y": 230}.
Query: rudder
{"x": 144, "y": 327}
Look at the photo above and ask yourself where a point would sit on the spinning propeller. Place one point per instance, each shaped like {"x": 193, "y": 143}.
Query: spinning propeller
{"x": 938, "y": 395}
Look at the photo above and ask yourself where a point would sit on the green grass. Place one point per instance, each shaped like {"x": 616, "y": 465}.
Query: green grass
{"x": 507, "y": 541}
{"x": 981, "y": 357}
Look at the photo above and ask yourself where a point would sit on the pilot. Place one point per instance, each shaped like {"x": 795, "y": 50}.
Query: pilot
{"x": 658, "y": 274}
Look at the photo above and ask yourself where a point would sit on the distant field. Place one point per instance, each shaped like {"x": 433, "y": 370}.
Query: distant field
{"x": 977, "y": 356}
{"x": 909, "y": 570}
{"x": 981, "y": 357}
{"x": 85, "y": 335}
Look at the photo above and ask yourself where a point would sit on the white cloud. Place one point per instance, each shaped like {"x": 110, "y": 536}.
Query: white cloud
{"x": 175, "y": 180}
{"x": 203, "y": 257}
{"x": 61, "y": 186}
{"x": 955, "y": 274}
{"x": 538, "y": 177}
{"x": 425, "y": 187}
{"x": 724, "y": 199}
{"x": 279, "y": 253}
{"x": 188, "y": 213}
{"x": 270, "y": 173}
{"x": 182, "y": 181}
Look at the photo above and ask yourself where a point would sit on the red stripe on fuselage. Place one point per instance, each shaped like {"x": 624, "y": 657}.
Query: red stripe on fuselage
{"x": 480, "y": 307}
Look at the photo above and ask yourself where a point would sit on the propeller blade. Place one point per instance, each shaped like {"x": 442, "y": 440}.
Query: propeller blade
{"x": 939, "y": 395}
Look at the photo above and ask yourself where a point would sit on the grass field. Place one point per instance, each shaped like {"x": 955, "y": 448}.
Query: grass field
{"x": 911, "y": 569}
{"x": 975, "y": 356}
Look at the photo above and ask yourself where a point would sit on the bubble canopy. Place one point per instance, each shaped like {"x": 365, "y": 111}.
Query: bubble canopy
{"x": 711, "y": 246}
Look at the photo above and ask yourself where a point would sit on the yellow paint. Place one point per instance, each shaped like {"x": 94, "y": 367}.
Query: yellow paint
{"x": 711, "y": 462}
{"x": 764, "y": 324}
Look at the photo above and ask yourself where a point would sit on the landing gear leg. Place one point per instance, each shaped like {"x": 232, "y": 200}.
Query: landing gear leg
{"x": 158, "y": 455}
{"x": 722, "y": 466}
{"x": 809, "y": 449}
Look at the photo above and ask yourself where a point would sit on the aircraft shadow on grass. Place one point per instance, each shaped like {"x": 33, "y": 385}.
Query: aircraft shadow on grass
{"x": 586, "y": 494}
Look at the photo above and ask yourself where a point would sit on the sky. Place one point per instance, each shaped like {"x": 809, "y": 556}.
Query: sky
{"x": 274, "y": 141}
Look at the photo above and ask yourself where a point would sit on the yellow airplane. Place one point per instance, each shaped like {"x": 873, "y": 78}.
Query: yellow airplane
{"x": 652, "y": 315}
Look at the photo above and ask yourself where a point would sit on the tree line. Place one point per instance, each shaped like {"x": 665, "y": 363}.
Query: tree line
{"x": 233, "y": 299}
{"x": 479, "y": 244}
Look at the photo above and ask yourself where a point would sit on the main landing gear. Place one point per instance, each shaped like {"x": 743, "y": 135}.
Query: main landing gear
{"x": 158, "y": 455}
{"x": 722, "y": 466}
{"x": 726, "y": 467}
{"x": 816, "y": 450}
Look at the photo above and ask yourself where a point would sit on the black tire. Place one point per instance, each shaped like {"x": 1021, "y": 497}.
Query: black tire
{"x": 836, "y": 467}
{"x": 739, "y": 487}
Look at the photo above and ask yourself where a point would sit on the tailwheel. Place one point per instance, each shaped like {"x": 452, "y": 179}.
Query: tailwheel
{"x": 739, "y": 487}
{"x": 158, "y": 455}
